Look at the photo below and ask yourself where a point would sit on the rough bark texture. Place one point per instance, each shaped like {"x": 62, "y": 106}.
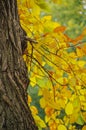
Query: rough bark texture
{"x": 14, "y": 111}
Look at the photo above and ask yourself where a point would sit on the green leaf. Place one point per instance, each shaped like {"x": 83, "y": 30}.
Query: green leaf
{"x": 80, "y": 120}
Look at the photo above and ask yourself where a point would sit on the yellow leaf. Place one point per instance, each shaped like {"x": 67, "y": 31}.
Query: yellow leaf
{"x": 47, "y": 17}
{"x": 74, "y": 117}
{"x": 42, "y": 102}
{"x": 79, "y": 51}
{"x": 62, "y": 127}
{"x": 69, "y": 108}
{"x": 66, "y": 92}
{"x": 33, "y": 81}
{"x": 40, "y": 92}
{"x": 47, "y": 119}
{"x": 29, "y": 99}
{"x": 84, "y": 127}
{"x": 53, "y": 125}
{"x": 72, "y": 82}
{"x": 24, "y": 57}
{"x": 81, "y": 63}
{"x": 34, "y": 110}
{"x": 30, "y": 3}
{"x": 84, "y": 116}
{"x": 84, "y": 48}
{"x": 76, "y": 104}
{"x": 36, "y": 10}
{"x": 39, "y": 121}
{"x": 46, "y": 94}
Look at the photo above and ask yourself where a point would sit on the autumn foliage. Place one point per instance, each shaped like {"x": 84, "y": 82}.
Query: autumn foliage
{"x": 57, "y": 67}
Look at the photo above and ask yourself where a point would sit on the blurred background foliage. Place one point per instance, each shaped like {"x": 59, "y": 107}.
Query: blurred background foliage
{"x": 71, "y": 14}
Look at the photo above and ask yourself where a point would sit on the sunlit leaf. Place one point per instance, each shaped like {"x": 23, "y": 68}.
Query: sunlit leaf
{"x": 69, "y": 108}
{"x": 39, "y": 121}
{"x": 42, "y": 102}
{"x": 34, "y": 110}
{"x": 62, "y": 127}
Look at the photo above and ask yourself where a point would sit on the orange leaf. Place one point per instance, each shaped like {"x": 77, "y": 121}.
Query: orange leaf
{"x": 77, "y": 39}
{"x": 80, "y": 37}
{"x": 84, "y": 48}
{"x": 68, "y": 39}
{"x": 60, "y": 29}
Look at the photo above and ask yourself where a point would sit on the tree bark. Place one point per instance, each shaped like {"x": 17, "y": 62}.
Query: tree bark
{"x": 14, "y": 111}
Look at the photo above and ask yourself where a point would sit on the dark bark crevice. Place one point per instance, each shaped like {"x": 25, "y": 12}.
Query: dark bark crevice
{"x": 14, "y": 111}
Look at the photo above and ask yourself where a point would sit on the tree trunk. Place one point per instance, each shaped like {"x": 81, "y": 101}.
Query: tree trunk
{"x": 14, "y": 111}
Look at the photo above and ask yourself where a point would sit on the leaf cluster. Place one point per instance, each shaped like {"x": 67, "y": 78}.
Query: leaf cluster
{"x": 56, "y": 68}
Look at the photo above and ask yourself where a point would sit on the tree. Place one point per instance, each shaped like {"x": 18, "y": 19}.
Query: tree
{"x": 14, "y": 111}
